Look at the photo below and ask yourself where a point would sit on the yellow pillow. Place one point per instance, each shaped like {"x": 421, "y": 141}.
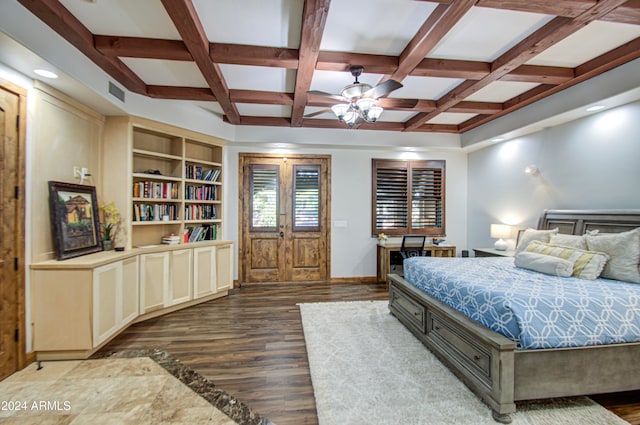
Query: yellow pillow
{"x": 586, "y": 264}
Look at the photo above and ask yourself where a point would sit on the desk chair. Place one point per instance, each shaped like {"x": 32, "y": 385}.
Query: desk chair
{"x": 412, "y": 246}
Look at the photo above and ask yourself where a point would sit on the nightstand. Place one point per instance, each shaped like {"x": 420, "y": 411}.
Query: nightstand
{"x": 492, "y": 252}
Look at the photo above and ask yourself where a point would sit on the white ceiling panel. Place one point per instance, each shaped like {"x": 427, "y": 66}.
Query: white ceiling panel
{"x": 484, "y": 34}
{"x": 258, "y": 78}
{"x": 256, "y": 110}
{"x": 166, "y": 73}
{"x": 334, "y": 82}
{"x": 425, "y": 88}
{"x": 590, "y": 42}
{"x": 274, "y": 23}
{"x": 382, "y": 27}
{"x": 500, "y": 91}
{"x": 452, "y": 118}
{"x": 139, "y": 18}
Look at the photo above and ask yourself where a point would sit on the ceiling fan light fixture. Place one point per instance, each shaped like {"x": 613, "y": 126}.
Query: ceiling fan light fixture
{"x": 374, "y": 113}
{"x": 355, "y": 90}
{"x": 350, "y": 118}
{"x": 365, "y": 104}
{"x": 339, "y": 110}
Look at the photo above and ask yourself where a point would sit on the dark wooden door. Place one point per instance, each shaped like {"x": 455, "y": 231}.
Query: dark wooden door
{"x": 284, "y": 218}
{"x": 10, "y": 231}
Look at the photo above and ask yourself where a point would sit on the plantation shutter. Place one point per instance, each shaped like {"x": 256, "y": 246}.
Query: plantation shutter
{"x": 264, "y": 186}
{"x": 306, "y": 199}
{"x": 408, "y": 197}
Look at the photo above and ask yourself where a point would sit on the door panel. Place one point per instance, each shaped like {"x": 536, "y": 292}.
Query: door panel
{"x": 284, "y": 223}
{"x": 10, "y": 229}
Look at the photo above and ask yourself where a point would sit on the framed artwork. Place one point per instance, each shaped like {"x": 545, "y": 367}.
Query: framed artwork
{"x": 74, "y": 219}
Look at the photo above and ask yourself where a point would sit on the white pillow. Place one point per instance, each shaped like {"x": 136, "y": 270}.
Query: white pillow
{"x": 546, "y": 264}
{"x": 572, "y": 241}
{"x": 624, "y": 252}
{"x": 530, "y": 235}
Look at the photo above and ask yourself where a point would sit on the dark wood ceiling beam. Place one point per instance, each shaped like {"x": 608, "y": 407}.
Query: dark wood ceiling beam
{"x": 437, "y": 25}
{"x": 181, "y": 93}
{"x": 185, "y": 18}
{"x": 136, "y": 47}
{"x": 540, "y": 74}
{"x": 603, "y": 63}
{"x": 439, "y": 128}
{"x": 545, "y": 37}
{"x": 341, "y": 61}
{"x": 239, "y": 54}
{"x": 477, "y": 108}
{"x": 566, "y": 8}
{"x": 628, "y": 13}
{"x": 314, "y": 18}
{"x": 59, "y": 19}
{"x": 449, "y": 68}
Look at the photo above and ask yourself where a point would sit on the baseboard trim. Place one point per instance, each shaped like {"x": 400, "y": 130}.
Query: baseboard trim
{"x": 355, "y": 279}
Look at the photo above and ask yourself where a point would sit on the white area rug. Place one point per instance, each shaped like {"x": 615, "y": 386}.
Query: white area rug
{"x": 367, "y": 368}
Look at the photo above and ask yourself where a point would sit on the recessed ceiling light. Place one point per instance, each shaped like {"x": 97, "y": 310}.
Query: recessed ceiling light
{"x": 45, "y": 73}
{"x": 595, "y": 108}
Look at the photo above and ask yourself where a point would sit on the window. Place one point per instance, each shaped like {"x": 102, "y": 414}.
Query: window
{"x": 264, "y": 197}
{"x": 306, "y": 199}
{"x": 408, "y": 197}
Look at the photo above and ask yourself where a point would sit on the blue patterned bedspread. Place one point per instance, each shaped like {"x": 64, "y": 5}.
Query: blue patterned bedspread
{"x": 533, "y": 309}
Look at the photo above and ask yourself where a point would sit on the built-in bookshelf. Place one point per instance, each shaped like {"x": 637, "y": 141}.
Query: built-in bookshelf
{"x": 173, "y": 179}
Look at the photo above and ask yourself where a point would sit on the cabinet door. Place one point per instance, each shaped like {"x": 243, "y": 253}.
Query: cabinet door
{"x": 204, "y": 271}
{"x": 154, "y": 281}
{"x": 224, "y": 266}
{"x": 181, "y": 281}
{"x": 129, "y": 291}
{"x": 106, "y": 286}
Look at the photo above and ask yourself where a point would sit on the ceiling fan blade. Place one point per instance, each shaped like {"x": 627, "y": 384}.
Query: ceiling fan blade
{"x": 316, "y": 113}
{"x": 383, "y": 89}
{"x": 329, "y": 95}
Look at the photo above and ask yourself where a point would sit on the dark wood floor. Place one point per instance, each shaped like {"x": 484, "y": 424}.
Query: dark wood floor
{"x": 251, "y": 345}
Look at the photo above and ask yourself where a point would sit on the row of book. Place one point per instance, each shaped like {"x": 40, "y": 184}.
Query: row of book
{"x": 201, "y": 233}
{"x": 196, "y": 172}
{"x": 155, "y": 212}
{"x": 200, "y": 212}
{"x": 201, "y": 193}
{"x": 155, "y": 190}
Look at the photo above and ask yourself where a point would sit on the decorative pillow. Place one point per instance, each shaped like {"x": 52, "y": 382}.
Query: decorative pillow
{"x": 624, "y": 250}
{"x": 586, "y": 264}
{"x": 533, "y": 235}
{"x": 572, "y": 241}
{"x": 546, "y": 264}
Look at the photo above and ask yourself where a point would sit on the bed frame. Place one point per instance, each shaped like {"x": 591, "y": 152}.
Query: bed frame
{"x": 489, "y": 364}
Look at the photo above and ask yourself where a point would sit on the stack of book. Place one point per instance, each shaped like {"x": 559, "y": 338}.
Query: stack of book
{"x": 171, "y": 239}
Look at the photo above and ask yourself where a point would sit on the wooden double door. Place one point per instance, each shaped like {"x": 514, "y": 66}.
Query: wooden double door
{"x": 284, "y": 214}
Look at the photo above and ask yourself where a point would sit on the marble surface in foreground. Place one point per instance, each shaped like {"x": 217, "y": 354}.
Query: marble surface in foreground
{"x": 132, "y": 387}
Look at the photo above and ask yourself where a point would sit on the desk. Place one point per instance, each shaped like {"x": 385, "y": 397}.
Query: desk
{"x": 387, "y": 251}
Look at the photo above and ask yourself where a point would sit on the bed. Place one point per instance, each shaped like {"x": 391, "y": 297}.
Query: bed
{"x": 502, "y": 370}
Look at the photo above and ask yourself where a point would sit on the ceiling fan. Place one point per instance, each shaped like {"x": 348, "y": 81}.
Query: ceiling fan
{"x": 359, "y": 100}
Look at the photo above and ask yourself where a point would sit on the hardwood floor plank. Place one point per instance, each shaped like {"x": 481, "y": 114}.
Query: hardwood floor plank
{"x": 251, "y": 345}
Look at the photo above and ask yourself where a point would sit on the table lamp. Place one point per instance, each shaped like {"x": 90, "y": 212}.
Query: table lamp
{"x": 501, "y": 232}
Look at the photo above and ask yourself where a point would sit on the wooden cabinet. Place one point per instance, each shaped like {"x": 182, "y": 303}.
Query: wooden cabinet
{"x": 154, "y": 281}
{"x": 79, "y": 304}
{"x": 181, "y": 276}
{"x": 115, "y": 298}
{"x": 388, "y": 256}
{"x": 166, "y": 180}
{"x": 204, "y": 271}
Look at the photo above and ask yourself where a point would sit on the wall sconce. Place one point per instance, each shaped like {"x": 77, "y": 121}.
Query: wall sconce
{"x": 501, "y": 232}
{"x": 532, "y": 170}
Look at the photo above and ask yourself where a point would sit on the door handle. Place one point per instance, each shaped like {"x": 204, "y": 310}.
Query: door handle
{"x": 282, "y": 234}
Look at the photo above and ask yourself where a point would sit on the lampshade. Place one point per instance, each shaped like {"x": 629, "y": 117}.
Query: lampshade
{"x": 365, "y": 104}
{"x": 500, "y": 231}
{"x": 340, "y": 109}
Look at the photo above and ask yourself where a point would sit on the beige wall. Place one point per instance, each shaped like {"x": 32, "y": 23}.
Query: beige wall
{"x": 65, "y": 134}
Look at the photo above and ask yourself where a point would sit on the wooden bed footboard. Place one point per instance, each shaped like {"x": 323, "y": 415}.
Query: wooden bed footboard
{"x": 479, "y": 357}
{"x": 489, "y": 364}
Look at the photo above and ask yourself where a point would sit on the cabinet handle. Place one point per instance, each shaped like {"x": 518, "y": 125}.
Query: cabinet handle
{"x": 436, "y": 328}
{"x": 476, "y": 357}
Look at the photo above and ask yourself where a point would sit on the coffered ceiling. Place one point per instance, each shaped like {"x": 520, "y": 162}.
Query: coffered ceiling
{"x": 462, "y": 63}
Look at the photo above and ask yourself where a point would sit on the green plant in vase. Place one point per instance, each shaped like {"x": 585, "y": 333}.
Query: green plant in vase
{"x": 109, "y": 223}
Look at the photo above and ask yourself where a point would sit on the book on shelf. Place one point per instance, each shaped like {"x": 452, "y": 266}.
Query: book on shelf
{"x": 155, "y": 212}
{"x": 171, "y": 239}
{"x": 206, "y": 232}
{"x": 196, "y": 172}
{"x": 155, "y": 190}
{"x": 200, "y": 193}
{"x": 200, "y": 212}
